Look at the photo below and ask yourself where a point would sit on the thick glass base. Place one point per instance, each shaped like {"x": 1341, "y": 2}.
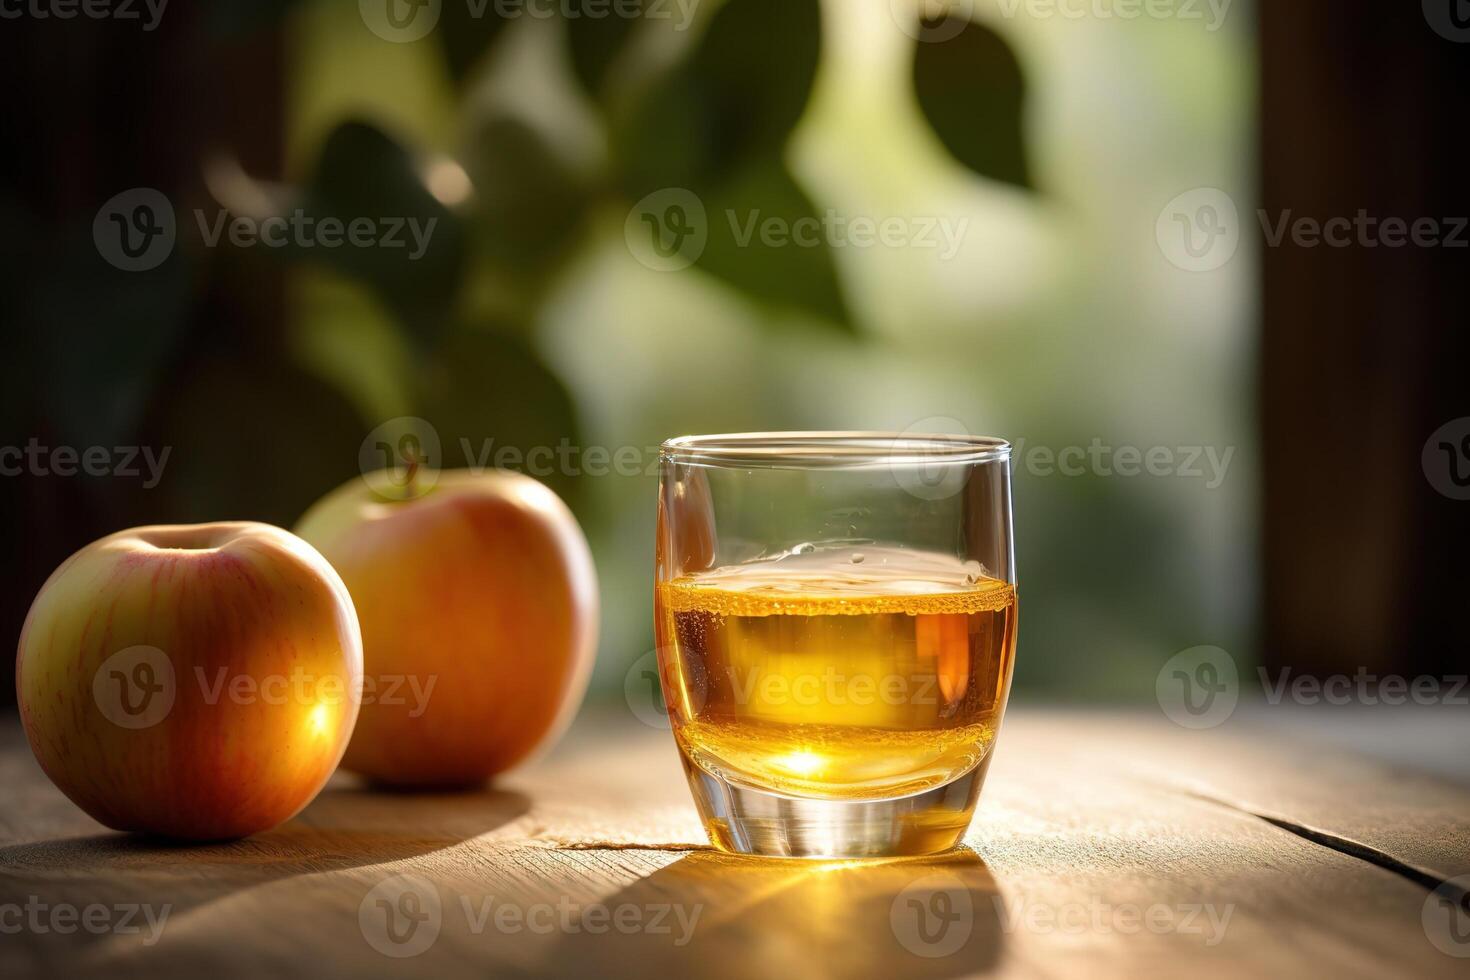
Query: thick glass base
{"x": 746, "y": 820}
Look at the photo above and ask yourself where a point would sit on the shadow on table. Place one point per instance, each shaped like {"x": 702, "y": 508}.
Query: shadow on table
{"x": 344, "y": 828}
{"x": 715, "y": 915}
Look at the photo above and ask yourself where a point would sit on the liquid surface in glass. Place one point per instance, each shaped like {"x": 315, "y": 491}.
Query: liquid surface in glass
{"x": 838, "y": 672}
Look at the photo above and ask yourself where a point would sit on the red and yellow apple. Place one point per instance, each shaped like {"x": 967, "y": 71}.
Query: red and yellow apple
{"x": 196, "y": 682}
{"x": 478, "y": 603}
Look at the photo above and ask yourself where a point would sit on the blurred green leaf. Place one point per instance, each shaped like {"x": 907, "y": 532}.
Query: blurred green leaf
{"x": 596, "y": 33}
{"x": 415, "y": 259}
{"x": 468, "y": 28}
{"x": 765, "y": 237}
{"x": 495, "y": 403}
{"x": 734, "y": 99}
{"x": 529, "y": 203}
{"x": 972, "y": 90}
{"x": 716, "y": 125}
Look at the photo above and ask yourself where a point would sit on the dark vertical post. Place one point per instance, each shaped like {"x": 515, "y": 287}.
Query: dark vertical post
{"x": 1364, "y": 349}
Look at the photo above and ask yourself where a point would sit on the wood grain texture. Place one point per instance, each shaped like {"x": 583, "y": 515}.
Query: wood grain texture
{"x": 1111, "y": 843}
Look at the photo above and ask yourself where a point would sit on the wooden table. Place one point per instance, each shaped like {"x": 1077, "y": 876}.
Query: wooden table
{"x": 1107, "y": 842}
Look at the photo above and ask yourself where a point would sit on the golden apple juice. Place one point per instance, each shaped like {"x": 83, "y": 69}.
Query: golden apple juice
{"x": 838, "y": 673}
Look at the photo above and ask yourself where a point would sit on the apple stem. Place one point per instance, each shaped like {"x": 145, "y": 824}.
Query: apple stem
{"x": 410, "y": 483}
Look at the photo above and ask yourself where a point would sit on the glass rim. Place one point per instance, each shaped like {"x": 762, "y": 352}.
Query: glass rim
{"x": 856, "y": 449}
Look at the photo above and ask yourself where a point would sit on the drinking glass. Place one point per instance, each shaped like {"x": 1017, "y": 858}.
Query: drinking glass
{"x": 836, "y": 621}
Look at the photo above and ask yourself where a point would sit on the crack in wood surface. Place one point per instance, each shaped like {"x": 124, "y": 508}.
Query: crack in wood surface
{"x": 1343, "y": 845}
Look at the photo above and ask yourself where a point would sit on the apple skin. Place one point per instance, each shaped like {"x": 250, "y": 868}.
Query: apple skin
{"x": 262, "y": 644}
{"x": 481, "y": 585}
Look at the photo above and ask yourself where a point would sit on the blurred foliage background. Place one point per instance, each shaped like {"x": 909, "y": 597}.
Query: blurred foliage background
{"x": 530, "y": 319}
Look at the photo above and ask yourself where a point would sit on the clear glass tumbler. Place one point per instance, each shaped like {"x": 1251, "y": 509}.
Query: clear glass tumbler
{"x": 836, "y": 623}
